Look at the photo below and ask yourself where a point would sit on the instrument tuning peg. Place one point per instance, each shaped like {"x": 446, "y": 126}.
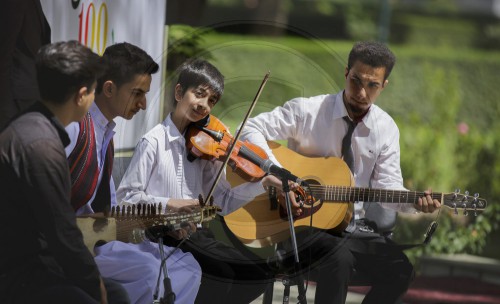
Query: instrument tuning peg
{"x": 201, "y": 201}
{"x": 211, "y": 201}
{"x": 455, "y": 210}
{"x": 456, "y": 193}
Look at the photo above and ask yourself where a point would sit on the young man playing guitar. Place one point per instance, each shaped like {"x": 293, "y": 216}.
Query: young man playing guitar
{"x": 348, "y": 125}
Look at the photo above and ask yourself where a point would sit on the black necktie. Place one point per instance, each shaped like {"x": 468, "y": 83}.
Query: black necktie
{"x": 346, "y": 144}
{"x": 349, "y": 160}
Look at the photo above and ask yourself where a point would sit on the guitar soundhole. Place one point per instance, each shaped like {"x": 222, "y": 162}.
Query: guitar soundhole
{"x": 305, "y": 198}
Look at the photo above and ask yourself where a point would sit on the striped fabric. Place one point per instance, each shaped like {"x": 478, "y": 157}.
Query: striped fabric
{"x": 84, "y": 168}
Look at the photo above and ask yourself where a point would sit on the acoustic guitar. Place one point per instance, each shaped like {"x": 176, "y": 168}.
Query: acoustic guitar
{"x": 129, "y": 223}
{"x": 329, "y": 201}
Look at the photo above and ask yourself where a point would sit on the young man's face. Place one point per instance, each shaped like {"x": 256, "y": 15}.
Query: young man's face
{"x": 363, "y": 85}
{"x": 195, "y": 103}
{"x": 130, "y": 98}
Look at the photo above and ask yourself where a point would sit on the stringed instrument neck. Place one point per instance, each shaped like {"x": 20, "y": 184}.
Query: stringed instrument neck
{"x": 128, "y": 223}
{"x": 353, "y": 194}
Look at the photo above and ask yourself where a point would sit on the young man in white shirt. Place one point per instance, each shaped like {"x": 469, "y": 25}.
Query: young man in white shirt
{"x": 316, "y": 127}
{"x": 162, "y": 171}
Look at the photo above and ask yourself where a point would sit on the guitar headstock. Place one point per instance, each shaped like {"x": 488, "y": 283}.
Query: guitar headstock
{"x": 464, "y": 202}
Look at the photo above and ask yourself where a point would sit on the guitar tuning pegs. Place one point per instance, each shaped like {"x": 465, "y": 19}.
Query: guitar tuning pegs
{"x": 466, "y": 212}
{"x": 455, "y": 209}
{"x": 201, "y": 201}
{"x": 455, "y": 194}
{"x": 475, "y": 209}
{"x": 211, "y": 201}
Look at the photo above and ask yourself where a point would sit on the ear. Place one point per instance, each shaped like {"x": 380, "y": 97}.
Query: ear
{"x": 108, "y": 88}
{"x": 386, "y": 82}
{"x": 346, "y": 72}
{"x": 80, "y": 101}
{"x": 178, "y": 92}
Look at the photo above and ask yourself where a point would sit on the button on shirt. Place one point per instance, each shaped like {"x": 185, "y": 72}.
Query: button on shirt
{"x": 315, "y": 127}
{"x": 159, "y": 170}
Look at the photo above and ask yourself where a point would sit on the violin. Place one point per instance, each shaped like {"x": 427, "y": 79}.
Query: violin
{"x": 210, "y": 139}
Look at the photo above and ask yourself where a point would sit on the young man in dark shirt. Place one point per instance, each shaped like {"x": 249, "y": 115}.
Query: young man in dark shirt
{"x": 45, "y": 259}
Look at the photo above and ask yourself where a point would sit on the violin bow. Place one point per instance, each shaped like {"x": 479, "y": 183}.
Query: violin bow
{"x": 237, "y": 136}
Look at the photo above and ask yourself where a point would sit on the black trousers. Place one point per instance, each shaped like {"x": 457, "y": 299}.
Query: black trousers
{"x": 116, "y": 294}
{"x": 330, "y": 260}
{"x": 229, "y": 275}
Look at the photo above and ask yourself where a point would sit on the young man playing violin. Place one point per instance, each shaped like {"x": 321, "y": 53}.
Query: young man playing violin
{"x": 162, "y": 171}
{"x": 317, "y": 126}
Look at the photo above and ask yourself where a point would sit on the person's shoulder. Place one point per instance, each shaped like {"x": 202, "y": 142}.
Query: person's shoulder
{"x": 311, "y": 103}
{"x": 154, "y": 132}
{"x": 33, "y": 126}
{"x": 34, "y": 136}
{"x": 382, "y": 118}
{"x": 154, "y": 136}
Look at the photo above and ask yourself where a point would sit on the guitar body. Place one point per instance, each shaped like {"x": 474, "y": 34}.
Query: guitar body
{"x": 261, "y": 223}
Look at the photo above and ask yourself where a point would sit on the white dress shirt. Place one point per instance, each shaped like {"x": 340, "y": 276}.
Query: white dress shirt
{"x": 315, "y": 127}
{"x": 104, "y": 132}
{"x": 159, "y": 170}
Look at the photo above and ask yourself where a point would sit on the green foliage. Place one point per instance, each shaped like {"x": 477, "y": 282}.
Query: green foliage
{"x": 442, "y": 152}
{"x": 184, "y": 42}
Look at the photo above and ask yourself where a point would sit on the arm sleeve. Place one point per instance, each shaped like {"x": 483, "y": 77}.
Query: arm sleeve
{"x": 282, "y": 123}
{"x": 387, "y": 171}
{"x": 229, "y": 199}
{"x": 132, "y": 188}
{"x": 49, "y": 179}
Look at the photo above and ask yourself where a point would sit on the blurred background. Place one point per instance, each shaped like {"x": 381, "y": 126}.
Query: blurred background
{"x": 443, "y": 93}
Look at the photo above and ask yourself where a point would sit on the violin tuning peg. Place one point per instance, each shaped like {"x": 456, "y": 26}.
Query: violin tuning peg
{"x": 211, "y": 201}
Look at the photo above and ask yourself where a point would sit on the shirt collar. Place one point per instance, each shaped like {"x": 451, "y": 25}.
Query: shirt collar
{"x": 99, "y": 119}
{"x": 171, "y": 130}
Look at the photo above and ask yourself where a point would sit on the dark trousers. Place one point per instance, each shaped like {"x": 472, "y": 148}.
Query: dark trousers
{"x": 37, "y": 286}
{"x": 330, "y": 260}
{"x": 229, "y": 275}
{"x": 115, "y": 292}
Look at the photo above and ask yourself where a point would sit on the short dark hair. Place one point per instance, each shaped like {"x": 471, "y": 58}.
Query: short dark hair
{"x": 62, "y": 68}
{"x": 196, "y": 72}
{"x": 123, "y": 61}
{"x": 374, "y": 54}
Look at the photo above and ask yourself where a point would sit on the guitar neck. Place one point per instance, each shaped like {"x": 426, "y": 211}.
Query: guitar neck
{"x": 353, "y": 194}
